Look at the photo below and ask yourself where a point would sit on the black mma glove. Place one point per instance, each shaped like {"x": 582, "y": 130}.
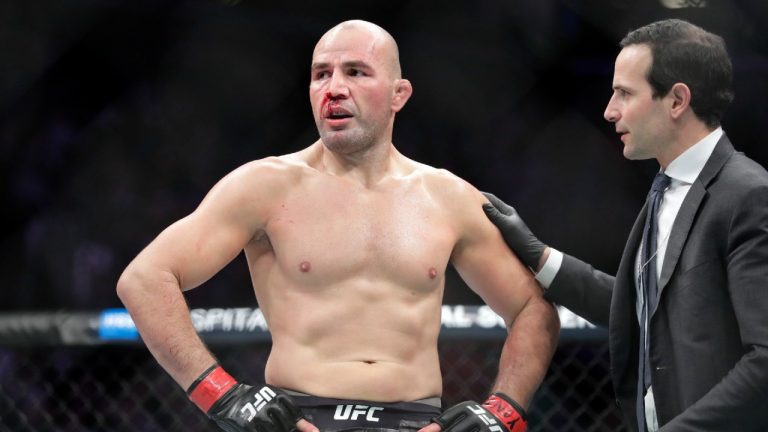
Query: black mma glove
{"x": 516, "y": 233}
{"x": 499, "y": 413}
{"x": 237, "y": 407}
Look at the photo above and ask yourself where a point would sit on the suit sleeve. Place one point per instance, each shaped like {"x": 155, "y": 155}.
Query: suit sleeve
{"x": 739, "y": 402}
{"x": 582, "y": 289}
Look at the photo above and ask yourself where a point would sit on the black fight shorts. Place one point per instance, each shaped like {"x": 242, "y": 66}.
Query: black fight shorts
{"x": 342, "y": 415}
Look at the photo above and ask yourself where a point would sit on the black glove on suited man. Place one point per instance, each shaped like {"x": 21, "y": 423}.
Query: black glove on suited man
{"x": 499, "y": 413}
{"x": 237, "y": 407}
{"x": 516, "y": 233}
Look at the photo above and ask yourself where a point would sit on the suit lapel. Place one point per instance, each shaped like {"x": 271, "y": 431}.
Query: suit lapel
{"x": 690, "y": 207}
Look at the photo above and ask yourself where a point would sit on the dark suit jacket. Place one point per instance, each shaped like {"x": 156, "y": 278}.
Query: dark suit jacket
{"x": 709, "y": 332}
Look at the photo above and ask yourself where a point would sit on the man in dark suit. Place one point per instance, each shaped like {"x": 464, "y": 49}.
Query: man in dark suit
{"x": 687, "y": 311}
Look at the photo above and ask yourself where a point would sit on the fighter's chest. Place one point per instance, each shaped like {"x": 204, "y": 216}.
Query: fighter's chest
{"x": 341, "y": 233}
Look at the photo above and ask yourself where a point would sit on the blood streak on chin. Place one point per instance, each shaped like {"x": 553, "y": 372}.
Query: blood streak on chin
{"x": 305, "y": 266}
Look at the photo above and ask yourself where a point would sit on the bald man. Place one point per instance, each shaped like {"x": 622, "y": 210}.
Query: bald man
{"x": 347, "y": 242}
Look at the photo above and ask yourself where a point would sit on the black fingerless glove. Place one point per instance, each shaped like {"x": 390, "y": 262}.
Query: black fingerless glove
{"x": 237, "y": 407}
{"x": 499, "y": 413}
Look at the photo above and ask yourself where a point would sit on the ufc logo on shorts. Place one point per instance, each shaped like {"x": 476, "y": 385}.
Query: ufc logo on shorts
{"x": 352, "y": 412}
{"x": 488, "y": 419}
{"x": 262, "y": 397}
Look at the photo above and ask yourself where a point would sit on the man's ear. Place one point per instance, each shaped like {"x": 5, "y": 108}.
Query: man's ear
{"x": 680, "y": 97}
{"x": 403, "y": 92}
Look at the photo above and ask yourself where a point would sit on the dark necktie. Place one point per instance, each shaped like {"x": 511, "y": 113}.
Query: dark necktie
{"x": 649, "y": 285}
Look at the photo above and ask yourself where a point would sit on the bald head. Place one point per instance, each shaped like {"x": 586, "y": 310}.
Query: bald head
{"x": 377, "y": 41}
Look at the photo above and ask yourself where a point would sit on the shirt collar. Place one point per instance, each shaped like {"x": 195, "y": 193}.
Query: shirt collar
{"x": 688, "y": 165}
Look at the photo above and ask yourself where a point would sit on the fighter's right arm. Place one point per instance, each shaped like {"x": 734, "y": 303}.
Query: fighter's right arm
{"x": 185, "y": 255}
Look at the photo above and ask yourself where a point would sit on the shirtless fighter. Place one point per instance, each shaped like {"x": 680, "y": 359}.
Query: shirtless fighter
{"x": 347, "y": 243}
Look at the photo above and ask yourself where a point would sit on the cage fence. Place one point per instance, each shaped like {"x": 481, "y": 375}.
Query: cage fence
{"x": 87, "y": 379}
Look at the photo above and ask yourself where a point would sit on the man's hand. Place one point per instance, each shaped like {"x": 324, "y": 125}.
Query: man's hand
{"x": 516, "y": 233}
{"x": 499, "y": 413}
{"x": 237, "y": 407}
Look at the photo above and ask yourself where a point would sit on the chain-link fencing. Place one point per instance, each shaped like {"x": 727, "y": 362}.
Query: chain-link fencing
{"x": 118, "y": 386}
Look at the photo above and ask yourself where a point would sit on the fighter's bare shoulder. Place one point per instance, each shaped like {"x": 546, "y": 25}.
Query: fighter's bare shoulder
{"x": 251, "y": 190}
{"x": 456, "y": 198}
{"x": 450, "y": 190}
{"x": 269, "y": 175}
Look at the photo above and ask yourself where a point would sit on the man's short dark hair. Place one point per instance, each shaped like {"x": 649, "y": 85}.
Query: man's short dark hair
{"x": 682, "y": 52}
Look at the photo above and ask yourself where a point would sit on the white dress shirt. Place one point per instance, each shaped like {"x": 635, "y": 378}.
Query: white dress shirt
{"x": 683, "y": 171}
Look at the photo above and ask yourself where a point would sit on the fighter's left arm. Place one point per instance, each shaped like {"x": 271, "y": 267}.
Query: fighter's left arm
{"x": 488, "y": 266}
{"x": 491, "y": 270}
